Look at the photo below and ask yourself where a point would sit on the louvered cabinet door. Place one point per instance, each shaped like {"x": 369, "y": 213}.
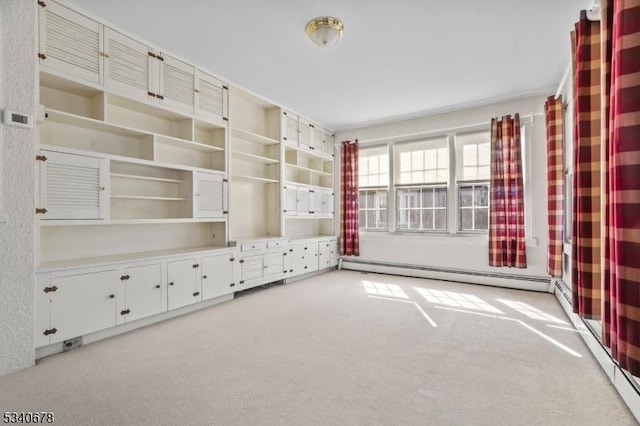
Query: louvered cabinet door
{"x": 73, "y": 186}
{"x": 291, "y": 200}
{"x": 177, "y": 84}
{"x": 129, "y": 68}
{"x": 70, "y": 43}
{"x": 211, "y": 98}
{"x": 273, "y": 265}
{"x": 251, "y": 271}
{"x": 210, "y": 195}
{"x": 290, "y": 131}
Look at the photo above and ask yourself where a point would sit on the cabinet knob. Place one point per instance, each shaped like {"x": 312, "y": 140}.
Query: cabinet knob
{"x": 112, "y": 296}
{"x": 196, "y": 294}
{"x": 170, "y": 283}
{"x": 232, "y": 285}
{"x": 157, "y": 285}
{"x": 204, "y": 277}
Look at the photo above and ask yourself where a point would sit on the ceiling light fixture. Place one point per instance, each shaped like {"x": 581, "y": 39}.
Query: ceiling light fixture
{"x": 325, "y": 30}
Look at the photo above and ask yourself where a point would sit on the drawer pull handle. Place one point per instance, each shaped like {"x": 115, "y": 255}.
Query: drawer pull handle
{"x": 232, "y": 285}
{"x": 196, "y": 294}
{"x": 125, "y": 312}
{"x": 50, "y": 331}
{"x": 242, "y": 282}
{"x": 232, "y": 259}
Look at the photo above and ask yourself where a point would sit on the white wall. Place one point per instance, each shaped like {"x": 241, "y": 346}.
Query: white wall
{"x": 469, "y": 252}
{"x": 17, "y": 176}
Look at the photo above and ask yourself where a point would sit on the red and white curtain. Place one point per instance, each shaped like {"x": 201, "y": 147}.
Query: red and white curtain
{"x": 621, "y": 176}
{"x": 506, "y": 214}
{"x": 555, "y": 181}
{"x": 349, "y": 231}
{"x": 585, "y": 276}
{"x": 606, "y": 244}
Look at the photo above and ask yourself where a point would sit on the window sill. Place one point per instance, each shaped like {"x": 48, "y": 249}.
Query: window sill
{"x": 482, "y": 237}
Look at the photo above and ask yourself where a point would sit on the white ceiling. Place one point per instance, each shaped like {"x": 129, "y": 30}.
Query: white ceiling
{"x": 397, "y": 58}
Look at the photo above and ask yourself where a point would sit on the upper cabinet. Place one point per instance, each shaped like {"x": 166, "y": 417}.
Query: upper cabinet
{"x": 70, "y": 42}
{"x": 290, "y": 131}
{"x": 129, "y": 69}
{"x": 300, "y": 133}
{"x": 211, "y": 97}
{"x": 176, "y": 84}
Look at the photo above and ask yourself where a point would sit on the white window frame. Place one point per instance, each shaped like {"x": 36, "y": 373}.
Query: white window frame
{"x": 375, "y": 208}
{"x": 420, "y": 208}
{"x": 473, "y": 206}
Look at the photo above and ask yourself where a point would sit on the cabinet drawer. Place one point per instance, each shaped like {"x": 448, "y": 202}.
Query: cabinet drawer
{"x": 276, "y": 243}
{"x": 258, "y": 245}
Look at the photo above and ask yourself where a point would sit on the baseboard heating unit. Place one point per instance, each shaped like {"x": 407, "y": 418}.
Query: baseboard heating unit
{"x": 520, "y": 282}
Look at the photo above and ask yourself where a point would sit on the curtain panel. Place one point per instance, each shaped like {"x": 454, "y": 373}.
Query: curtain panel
{"x": 349, "y": 230}
{"x": 555, "y": 180}
{"x": 621, "y": 176}
{"x": 506, "y": 216}
{"x": 585, "y": 270}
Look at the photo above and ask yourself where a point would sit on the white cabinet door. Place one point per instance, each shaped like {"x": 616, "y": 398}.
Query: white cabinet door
{"x": 304, "y": 201}
{"x": 324, "y": 199}
{"x": 273, "y": 265}
{"x": 210, "y": 195}
{"x": 328, "y": 143}
{"x": 310, "y": 257}
{"x": 212, "y": 97}
{"x": 177, "y": 84}
{"x": 143, "y": 292}
{"x": 217, "y": 276}
{"x": 130, "y": 67}
{"x": 70, "y": 43}
{"x": 290, "y": 131}
{"x": 324, "y": 254}
{"x": 82, "y": 304}
{"x": 304, "y": 128}
{"x": 183, "y": 283}
{"x": 251, "y": 271}
{"x": 291, "y": 200}
{"x": 333, "y": 245}
{"x": 73, "y": 186}
{"x": 317, "y": 139}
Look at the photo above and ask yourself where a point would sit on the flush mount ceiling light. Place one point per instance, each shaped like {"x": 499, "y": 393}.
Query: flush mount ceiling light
{"x": 325, "y": 30}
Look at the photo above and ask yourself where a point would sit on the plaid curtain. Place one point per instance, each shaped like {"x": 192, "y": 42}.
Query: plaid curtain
{"x": 506, "y": 216}
{"x": 621, "y": 281}
{"x": 586, "y": 286}
{"x": 555, "y": 181}
{"x": 349, "y": 232}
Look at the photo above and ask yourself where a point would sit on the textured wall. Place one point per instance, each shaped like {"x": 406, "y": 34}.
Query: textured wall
{"x": 18, "y": 92}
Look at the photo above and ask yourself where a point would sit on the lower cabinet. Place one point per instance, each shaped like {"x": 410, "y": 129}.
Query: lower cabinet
{"x": 142, "y": 290}
{"x": 77, "y": 304}
{"x": 217, "y": 275}
{"x": 324, "y": 254}
{"x": 183, "y": 280}
{"x": 304, "y": 257}
{"x": 334, "y": 253}
{"x": 250, "y": 271}
{"x": 262, "y": 268}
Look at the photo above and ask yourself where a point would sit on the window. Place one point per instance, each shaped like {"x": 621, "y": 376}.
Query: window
{"x": 473, "y": 171}
{"x": 373, "y": 180}
{"x": 422, "y": 208}
{"x": 421, "y": 176}
{"x": 474, "y": 207}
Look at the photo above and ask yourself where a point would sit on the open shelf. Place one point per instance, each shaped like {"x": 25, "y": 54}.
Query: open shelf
{"x": 62, "y": 117}
{"x": 254, "y": 178}
{"x": 253, "y": 137}
{"x": 255, "y": 158}
{"x": 145, "y": 197}
{"x": 149, "y": 178}
{"x": 181, "y": 143}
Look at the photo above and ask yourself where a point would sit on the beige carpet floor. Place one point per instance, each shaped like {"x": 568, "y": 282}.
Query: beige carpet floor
{"x": 343, "y": 348}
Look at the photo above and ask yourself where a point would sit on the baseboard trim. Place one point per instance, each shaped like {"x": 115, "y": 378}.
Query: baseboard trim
{"x": 56, "y": 348}
{"x": 620, "y": 379}
{"x": 520, "y": 282}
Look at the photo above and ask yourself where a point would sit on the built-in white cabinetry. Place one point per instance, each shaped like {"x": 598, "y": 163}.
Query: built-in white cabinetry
{"x": 72, "y": 186}
{"x": 184, "y": 283}
{"x": 211, "y": 97}
{"x": 218, "y": 277}
{"x": 141, "y": 292}
{"x": 321, "y": 203}
{"x": 70, "y": 42}
{"x": 210, "y": 195}
{"x": 73, "y": 304}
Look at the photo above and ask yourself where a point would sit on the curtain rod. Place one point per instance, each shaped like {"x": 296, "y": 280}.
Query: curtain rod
{"x": 524, "y": 118}
{"x": 563, "y": 82}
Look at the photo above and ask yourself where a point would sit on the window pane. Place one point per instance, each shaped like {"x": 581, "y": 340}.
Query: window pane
{"x": 371, "y": 218}
{"x": 466, "y": 219}
{"x": 369, "y": 197}
{"x": 361, "y": 199}
{"x": 481, "y": 195}
{"x": 373, "y": 164}
{"x": 482, "y": 218}
{"x": 384, "y": 180}
{"x": 469, "y": 173}
{"x": 466, "y": 196}
{"x": 431, "y": 159}
{"x": 430, "y": 176}
{"x": 381, "y": 197}
{"x": 363, "y": 166}
{"x": 402, "y": 219}
{"x": 469, "y": 155}
{"x": 405, "y": 177}
{"x": 384, "y": 164}
{"x": 427, "y": 197}
{"x": 417, "y": 160}
{"x": 440, "y": 219}
{"x": 383, "y": 219}
{"x": 417, "y": 177}
{"x": 443, "y": 176}
{"x": 374, "y": 180}
{"x": 414, "y": 219}
{"x": 414, "y": 199}
{"x": 403, "y": 198}
{"x": 362, "y": 219}
{"x": 427, "y": 219}
{"x": 441, "y": 197}
{"x": 443, "y": 158}
{"x": 484, "y": 154}
{"x": 363, "y": 181}
{"x": 405, "y": 161}
{"x": 484, "y": 172}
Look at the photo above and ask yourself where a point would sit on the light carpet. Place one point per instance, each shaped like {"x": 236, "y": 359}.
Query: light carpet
{"x": 343, "y": 348}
